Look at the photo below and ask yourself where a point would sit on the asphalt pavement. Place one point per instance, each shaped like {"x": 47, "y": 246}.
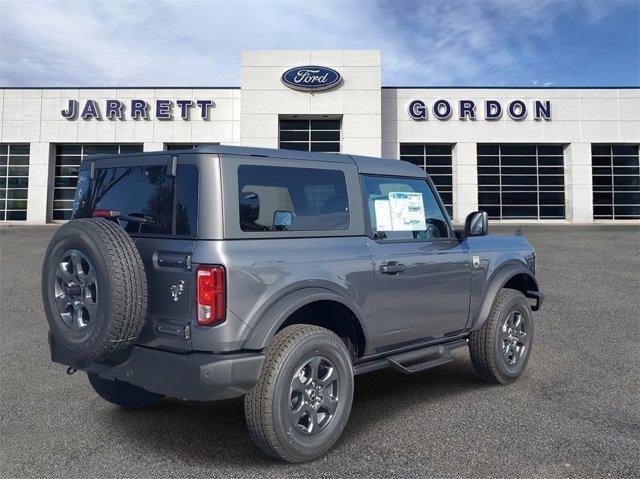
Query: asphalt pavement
{"x": 575, "y": 412}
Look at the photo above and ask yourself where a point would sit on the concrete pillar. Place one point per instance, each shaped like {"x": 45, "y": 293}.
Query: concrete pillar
{"x": 578, "y": 183}
{"x": 465, "y": 180}
{"x": 153, "y": 146}
{"x": 41, "y": 159}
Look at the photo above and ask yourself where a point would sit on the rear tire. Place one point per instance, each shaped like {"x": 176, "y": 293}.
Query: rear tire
{"x": 501, "y": 349}
{"x": 301, "y": 403}
{"x": 122, "y": 394}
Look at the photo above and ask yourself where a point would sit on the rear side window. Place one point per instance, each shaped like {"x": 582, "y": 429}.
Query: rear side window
{"x": 276, "y": 198}
{"x": 168, "y": 204}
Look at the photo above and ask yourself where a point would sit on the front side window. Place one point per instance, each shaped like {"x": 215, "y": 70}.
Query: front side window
{"x": 403, "y": 209}
{"x": 292, "y": 199}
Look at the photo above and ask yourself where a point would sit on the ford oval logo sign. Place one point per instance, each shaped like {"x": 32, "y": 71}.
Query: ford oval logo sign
{"x": 311, "y": 78}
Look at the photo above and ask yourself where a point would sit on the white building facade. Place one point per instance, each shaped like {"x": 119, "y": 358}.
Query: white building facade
{"x": 521, "y": 154}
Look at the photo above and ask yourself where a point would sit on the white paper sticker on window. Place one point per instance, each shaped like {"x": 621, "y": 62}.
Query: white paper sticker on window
{"x": 407, "y": 211}
{"x": 383, "y": 215}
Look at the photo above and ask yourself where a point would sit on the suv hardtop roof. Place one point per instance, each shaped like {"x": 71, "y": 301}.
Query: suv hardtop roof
{"x": 365, "y": 164}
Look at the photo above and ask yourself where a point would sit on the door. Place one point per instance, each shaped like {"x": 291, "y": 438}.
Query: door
{"x": 422, "y": 271}
{"x": 157, "y": 207}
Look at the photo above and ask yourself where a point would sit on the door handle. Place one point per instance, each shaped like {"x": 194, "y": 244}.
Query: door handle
{"x": 392, "y": 268}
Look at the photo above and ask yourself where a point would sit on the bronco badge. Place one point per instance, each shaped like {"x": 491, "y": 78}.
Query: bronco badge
{"x": 176, "y": 291}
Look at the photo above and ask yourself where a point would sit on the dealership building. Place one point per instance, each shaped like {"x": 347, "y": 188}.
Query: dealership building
{"x": 521, "y": 154}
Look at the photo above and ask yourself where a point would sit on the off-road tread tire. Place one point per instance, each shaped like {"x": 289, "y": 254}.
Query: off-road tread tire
{"x": 127, "y": 282}
{"x": 258, "y": 403}
{"x": 482, "y": 341}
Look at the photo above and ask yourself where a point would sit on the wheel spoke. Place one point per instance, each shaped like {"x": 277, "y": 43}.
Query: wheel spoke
{"x": 92, "y": 309}
{"x": 301, "y": 412}
{"x": 329, "y": 404}
{"x": 313, "y": 421}
{"x": 507, "y": 350}
{"x": 76, "y": 319}
{"x": 76, "y": 261}
{"x": 82, "y": 317}
{"x": 517, "y": 324}
{"x": 89, "y": 278}
{"x": 63, "y": 273}
{"x": 315, "y": 368}
{"x": 328, "y": 378}
{"x": 62, "y": 301}
{"x": 298, "y": 383}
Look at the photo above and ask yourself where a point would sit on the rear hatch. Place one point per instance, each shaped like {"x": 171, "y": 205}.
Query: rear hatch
{"x": 155, "y": 199}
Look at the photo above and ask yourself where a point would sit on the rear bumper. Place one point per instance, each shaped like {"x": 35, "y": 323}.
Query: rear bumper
{"x": 195, "y": 376}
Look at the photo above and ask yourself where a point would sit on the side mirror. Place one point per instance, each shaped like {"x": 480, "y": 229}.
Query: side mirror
{"x": 476, "y": 224}
{"x": 282, "y": 220}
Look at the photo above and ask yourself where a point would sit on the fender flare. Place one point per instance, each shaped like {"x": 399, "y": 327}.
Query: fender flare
{"x": 270, "y": 321}
{"x": 497, "y": 282}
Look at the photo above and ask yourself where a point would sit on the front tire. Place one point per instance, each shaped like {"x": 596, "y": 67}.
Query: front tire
{"x": 501, "y": 349}
{"x": 301, "y": 403}
{"x": 122, "y": 394}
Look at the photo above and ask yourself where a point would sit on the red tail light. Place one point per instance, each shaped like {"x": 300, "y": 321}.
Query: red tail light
{"x": 211, "y": 295}
{"x": 104, "y": 213}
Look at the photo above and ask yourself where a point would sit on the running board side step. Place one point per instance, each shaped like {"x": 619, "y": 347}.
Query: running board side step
{"x": 432, "y": 356}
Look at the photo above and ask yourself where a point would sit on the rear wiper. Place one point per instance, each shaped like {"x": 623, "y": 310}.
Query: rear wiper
{"x": 117, "y": 215}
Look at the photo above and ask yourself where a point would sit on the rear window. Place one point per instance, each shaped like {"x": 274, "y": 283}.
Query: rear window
{"x": 168, "y": 204}
{"x": 276, "y": 198}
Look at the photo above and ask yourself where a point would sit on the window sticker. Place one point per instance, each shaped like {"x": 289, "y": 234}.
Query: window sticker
{"x": 383, "y": 215}
{"x": 407, "y": 211}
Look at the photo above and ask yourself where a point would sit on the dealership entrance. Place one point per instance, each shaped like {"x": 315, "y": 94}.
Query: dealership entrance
{"x": 521, "y": 154}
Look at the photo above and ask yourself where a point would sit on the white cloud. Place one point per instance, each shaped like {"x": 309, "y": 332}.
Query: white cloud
{"x": 198, "y": 43}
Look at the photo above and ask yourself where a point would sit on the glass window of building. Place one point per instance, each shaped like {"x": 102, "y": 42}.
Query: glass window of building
{"x": 68, "y": 158}
{"x": 310, "y": 135}
{"x": 436, "y": 161}
{"x": 186, "y": 146}
{"x": 518, "y": 181}
{"x": 14, "y": 182}
{"x": 616, "y": 182}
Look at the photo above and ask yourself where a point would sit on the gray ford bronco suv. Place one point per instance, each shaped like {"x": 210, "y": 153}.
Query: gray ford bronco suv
{"x": 276, "y": 275}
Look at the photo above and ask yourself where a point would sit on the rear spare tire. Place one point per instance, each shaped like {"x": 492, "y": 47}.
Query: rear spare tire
{"x": 94, "y": 288}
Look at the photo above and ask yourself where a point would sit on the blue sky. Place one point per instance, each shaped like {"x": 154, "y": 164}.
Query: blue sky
{"x": 187, "y": 43}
